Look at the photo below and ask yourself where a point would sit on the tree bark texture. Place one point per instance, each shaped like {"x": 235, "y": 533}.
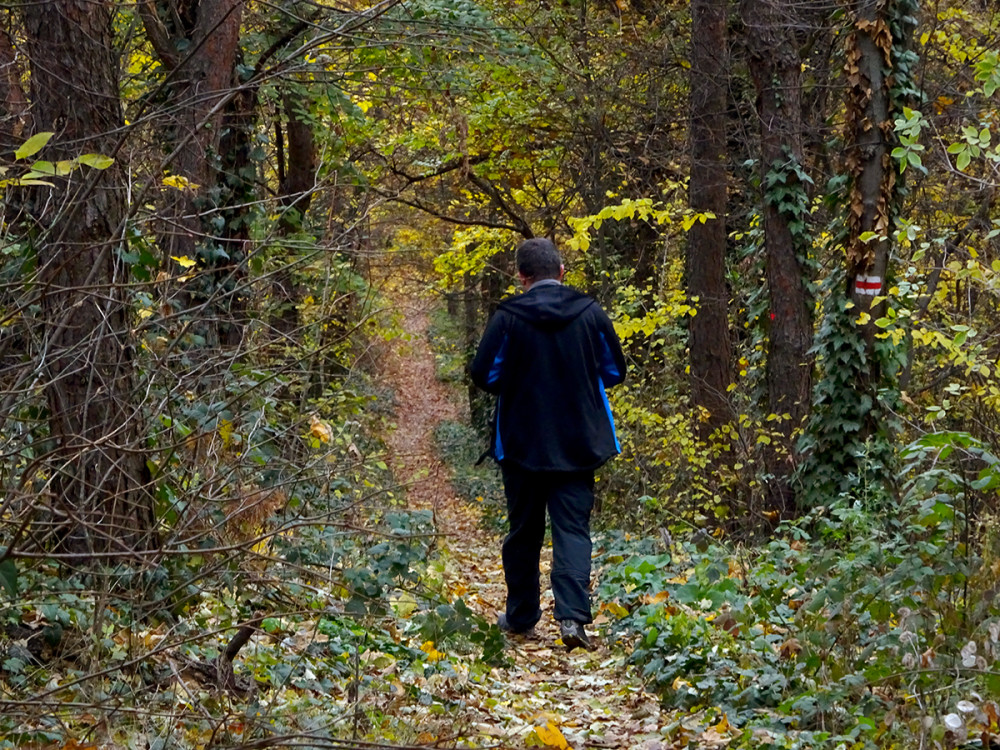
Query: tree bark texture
{"x": 708, "y": 331}
{"x": 98, "y": 471}
{"x": 777, "y": 72}
{"x": 12, "y": 98}
{"x": 870, "y": 127}
{"x": 299, "y": 181}
{"x": 197, "y": 42}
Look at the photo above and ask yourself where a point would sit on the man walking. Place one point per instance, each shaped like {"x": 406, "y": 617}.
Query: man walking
{"x": 548, "y": 355}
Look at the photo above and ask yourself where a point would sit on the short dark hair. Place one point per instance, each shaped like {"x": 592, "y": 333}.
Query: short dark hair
{"x": 538, "y": 258}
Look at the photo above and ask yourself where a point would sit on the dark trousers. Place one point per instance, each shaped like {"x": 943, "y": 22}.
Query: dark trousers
{"x": 569, "y": 497}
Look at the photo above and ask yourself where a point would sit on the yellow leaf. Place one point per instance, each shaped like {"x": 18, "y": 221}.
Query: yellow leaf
{"x": 615, "y": 608}
{"x": 184, "y": 261}
{"x": 320, "y": 429}
{"x": 263, "y": 547}
{"x": 225, "y": 431}
{"x": 433, "y": 654}
{"x": 656, "y": 598}
{"x": 178, "y": 182}
{"x": 551, "y": 736}
{"x": 723, "y": 726}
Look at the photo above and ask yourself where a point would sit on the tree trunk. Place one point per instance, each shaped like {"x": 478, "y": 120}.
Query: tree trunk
{"x": 708, "y": 331}
{"x": 198, "y": 43}
{"x": 869, "y": 51}
{"x": 237, "y": 193}
{"x": 12, "y": 98}
{"x": 99, "y": 480}
{"x": 299, "y": 180}
{"x": 777, "y": 73}
{"x": 480, "y": 402}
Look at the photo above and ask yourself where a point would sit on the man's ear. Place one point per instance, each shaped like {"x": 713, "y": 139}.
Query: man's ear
{"x": 525, "y": 281}
{"x": 562, "y": 271}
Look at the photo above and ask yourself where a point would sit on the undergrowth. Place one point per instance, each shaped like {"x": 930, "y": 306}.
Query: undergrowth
{"x": 278, "y": 517}
{"x": 854, "y": 627}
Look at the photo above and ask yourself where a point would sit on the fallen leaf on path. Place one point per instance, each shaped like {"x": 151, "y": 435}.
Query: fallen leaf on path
{"x": 550, "y": 736}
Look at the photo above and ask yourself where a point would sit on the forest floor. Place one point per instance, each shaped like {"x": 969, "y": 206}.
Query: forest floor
{"x": 545, "y": 696}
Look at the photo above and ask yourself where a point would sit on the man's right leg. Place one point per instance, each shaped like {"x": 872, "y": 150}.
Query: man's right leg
{"x": 522, "y": 547}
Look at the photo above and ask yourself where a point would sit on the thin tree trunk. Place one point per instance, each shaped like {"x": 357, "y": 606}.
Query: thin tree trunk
{"x": 708, "y": 331}
{"x": 777, "y": 74}
{"x": 299, "y": 181}
{"x": 98, "y": 471}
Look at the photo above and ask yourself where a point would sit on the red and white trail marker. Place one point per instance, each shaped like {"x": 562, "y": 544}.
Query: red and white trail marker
{"x": 867, "y": 285}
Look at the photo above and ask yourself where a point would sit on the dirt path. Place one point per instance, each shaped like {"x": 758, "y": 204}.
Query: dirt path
{"x": 548, "y": 697}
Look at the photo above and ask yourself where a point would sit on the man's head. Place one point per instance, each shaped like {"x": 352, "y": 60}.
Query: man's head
{"x": 538, "y": 259}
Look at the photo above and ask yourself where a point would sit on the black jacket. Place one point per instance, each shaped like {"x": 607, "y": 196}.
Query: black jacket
{"x": 548, "y": 355}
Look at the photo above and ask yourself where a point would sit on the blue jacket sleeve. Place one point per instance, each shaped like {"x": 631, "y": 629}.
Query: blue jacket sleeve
{"x": 612, "y": 357}
{"x": 487, "y": 367}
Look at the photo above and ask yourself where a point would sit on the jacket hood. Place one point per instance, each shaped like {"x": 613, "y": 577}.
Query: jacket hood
{"x": 548, "y": 305}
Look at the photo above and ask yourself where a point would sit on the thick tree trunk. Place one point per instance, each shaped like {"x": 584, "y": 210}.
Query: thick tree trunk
{"x": 708, "y": 331}
{"x": 99, "y": 478}
{"x": 198, "y": 43}
{"x": 296, "y": 181}
{"x": 777, "y": 74}
{"x": 237, "y": 194}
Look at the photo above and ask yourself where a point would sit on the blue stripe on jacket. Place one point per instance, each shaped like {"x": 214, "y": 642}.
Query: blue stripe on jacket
{"x": 611, "y": 418}
{"x": 491, "y": 378}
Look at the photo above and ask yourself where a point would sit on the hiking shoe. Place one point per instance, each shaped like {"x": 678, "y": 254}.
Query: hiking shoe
{"x": 505, "y": 627}
{"x": 573, "y": 635}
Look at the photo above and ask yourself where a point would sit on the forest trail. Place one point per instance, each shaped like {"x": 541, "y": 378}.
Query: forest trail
{"x": 546, "y": 697}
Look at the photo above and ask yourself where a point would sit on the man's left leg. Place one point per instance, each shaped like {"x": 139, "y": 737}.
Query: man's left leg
{"x": 570, "y": 501}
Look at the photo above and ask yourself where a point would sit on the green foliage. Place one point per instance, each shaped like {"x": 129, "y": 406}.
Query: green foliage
{"x": 785, "y": 187}
{"x": 8, "y": 577}
{"x": 37, "y": 170}
{"x": 908, "y": 129}
{"x": 446, "y": 343}
{"x": 849, "y": 442}
{"x": 848, "y": 622}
